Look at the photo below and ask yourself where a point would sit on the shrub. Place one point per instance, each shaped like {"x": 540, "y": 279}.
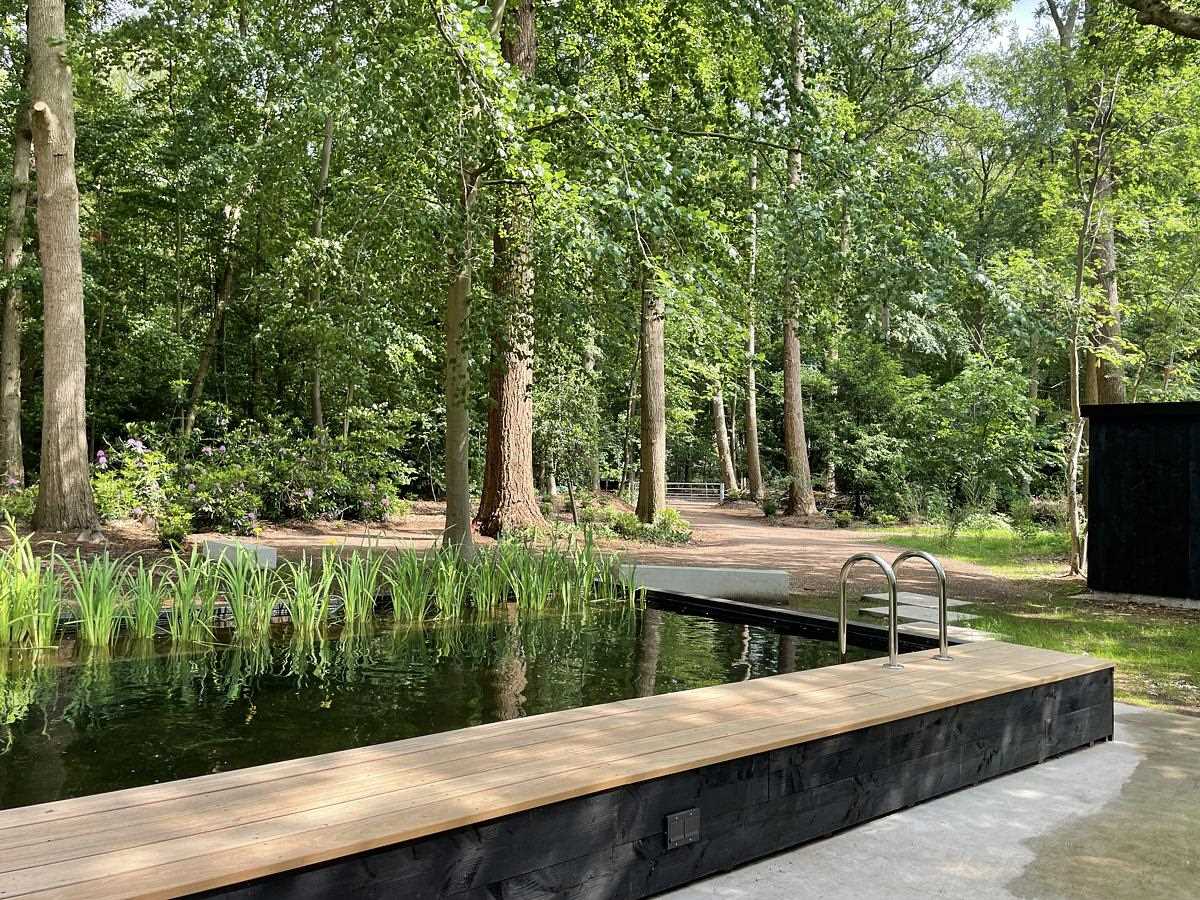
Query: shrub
{"x": 669, "y": 526}
{"x": 255, "y": 472}
{"x": 132, "y": 481}
{"x": 175, "y": 524}
{"x": 19, "y": 504}
{"x": 224, "y": 497}
{"x": 883, "y": 519}
{"x": 842, "y": 518}
{"x": 769, "y": 506}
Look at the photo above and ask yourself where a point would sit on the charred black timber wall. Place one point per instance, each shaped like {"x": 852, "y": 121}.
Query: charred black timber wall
{"x": 613, "y": 844}
{"x": 1144, "y": 498}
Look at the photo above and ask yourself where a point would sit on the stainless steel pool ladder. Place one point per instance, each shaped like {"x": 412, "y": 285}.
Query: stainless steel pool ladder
{"x": 843, "y": 617}
{"x": 943, "y": 612}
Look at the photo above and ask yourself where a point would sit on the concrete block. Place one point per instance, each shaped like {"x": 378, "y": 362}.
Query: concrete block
{"x": 267, "y": 557}
{"x": 729, "y": 584}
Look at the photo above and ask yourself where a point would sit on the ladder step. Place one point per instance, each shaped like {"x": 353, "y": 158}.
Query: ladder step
{"x": 908, "y": 598}
{"x": 918, "y": 613}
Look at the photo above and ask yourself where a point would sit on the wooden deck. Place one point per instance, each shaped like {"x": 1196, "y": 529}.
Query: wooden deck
{"x": 202, "y": 833}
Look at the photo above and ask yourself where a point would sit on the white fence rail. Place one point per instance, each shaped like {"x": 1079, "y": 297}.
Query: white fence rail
{"x": 696, "y": 490}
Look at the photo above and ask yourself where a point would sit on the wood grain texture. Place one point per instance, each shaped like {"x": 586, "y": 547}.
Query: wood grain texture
{"x": 833, "y": 723}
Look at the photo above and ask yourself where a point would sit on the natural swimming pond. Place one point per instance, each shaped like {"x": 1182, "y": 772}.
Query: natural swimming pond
{"x": 77, "y": 721}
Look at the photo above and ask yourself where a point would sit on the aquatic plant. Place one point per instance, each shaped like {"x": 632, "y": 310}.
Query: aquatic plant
{"x": 488, "y": 582}
{"x": 146, "y": 595}
{"x": 531, "y": 578}
{"x": 409, "y": 578}
{"x": 307, "y": 596}
{"x": 450, "y": 582}
{"x": 30, "y": 594}
{"x": 193, "y": 593}
{"x": 358, "y": 583}
{"x": 96, "y": 586}
{"x": 250, "y": 593}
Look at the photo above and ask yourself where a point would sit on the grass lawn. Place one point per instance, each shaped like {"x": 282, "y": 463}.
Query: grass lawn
{"x": 1156, "y": 650}
{"x": 1006, "y": 553}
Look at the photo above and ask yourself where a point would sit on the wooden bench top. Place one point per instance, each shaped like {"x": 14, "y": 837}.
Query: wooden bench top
{"x": 198, "y": 833}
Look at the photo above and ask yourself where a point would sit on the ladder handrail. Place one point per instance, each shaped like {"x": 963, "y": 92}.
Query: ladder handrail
{"x": 893, "y": 619}
{"x": 943, "y": 612}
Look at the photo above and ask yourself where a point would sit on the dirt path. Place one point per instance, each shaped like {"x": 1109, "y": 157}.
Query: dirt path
{"x": 727, "y": 536}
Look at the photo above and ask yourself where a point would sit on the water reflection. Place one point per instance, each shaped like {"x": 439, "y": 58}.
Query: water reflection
{"x": 76, "y": 720}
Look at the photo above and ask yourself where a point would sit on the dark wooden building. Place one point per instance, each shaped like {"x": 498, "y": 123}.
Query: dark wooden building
{"x": 1144, "y": 499}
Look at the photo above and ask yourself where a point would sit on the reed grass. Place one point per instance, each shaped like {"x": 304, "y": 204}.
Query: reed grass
{"x": 250, "y": 592}
{"x": 358, "y": 582}
{"x": 30, "y": 595}
{"x": 450, "y": 583}
{"x": 97, "y": 598}
{"x": 409, "y": 578}
{"x": 193, "y": 593}
{"x": 105, "y": 595}
{"x": 146, "y": 595}
{"x": 307, "y": 597}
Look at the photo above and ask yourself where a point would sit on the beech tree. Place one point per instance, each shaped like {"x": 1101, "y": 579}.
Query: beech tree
{"x": 14, "y": 253}
{"x": 65, "y": 495}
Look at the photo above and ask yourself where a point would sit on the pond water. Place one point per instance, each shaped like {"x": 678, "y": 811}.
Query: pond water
{"x": 76, "y": 722}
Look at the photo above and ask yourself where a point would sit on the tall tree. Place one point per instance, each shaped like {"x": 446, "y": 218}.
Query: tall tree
{"x": 14, "y": 251}
{"x": 800, "y": 498}
{"x": 509, "y": 499}
{"x": 65, "y": 495}
{"x": 754, "y": 476}
{"x": 721, "y": 432}
{"x": 652, "y": 489}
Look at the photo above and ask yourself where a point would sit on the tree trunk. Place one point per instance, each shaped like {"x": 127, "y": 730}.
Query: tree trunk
{"x": 65, "y": 495}
{"x": 724, "y": 455}
{"x": 652, "y": 488}
{"x": 209, "y": 350}
{"x": 589, "y": 367}
{"x": 457, "y": 385}
{"x": 1110, "y": 376}
{"x": 800, "y": 499}
{"x": 509, "y": 498}
{"x": 630, "y": 399}
{"x": 314, "y": 289}
{"x": 753, "y": 460}
{"x": 14, "y": 251}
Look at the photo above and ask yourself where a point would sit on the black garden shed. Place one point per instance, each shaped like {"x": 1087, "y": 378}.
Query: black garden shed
{"x": 1144, "y": 499}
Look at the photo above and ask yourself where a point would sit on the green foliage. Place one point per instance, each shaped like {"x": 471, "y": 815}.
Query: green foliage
{"x": 308, "y": 596}
{"x": 843, "y": 519}
{"x": 18, "y": 504}
{"x": 96, "y": 598}
{"x": 668, "y": 528}
{"x": 147, "y": 593}
{"x": 30, "y": 594}
{"x": 250, "y": 592}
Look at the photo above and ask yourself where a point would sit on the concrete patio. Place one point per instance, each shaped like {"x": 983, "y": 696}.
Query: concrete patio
{"x": 1119, "y": 820}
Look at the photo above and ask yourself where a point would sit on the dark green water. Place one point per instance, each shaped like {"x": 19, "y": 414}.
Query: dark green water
{"x": 78, "y": 722}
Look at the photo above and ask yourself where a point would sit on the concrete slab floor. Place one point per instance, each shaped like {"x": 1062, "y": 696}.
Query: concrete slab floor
{"x": 1119, "y": 820}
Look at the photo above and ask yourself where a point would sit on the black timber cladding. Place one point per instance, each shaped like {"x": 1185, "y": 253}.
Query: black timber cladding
{"x": 1144, "y": 498}
{"x": 613, "y": 844}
